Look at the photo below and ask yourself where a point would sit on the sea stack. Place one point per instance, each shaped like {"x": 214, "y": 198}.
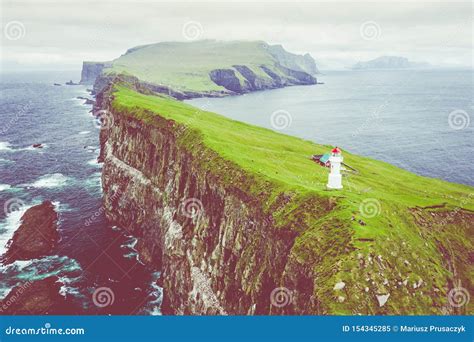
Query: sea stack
{"x": 36, "y": 236}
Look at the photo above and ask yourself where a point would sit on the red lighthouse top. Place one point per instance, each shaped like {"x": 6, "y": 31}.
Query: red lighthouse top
{"x": 336, "y": 150}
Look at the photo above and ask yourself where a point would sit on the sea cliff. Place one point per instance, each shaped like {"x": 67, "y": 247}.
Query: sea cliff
{"x": 237, "y": 229}
{"x": 206, "y": 68}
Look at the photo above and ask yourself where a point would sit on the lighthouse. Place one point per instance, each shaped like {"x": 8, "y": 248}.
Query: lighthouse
{"x": 335, "y": 177}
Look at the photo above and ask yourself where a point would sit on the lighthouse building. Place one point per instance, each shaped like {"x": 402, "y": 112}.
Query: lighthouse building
{"x": 335, "y": 177}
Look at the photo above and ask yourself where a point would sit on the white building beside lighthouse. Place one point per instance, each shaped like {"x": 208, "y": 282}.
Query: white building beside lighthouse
{"x": 335, "y": 177}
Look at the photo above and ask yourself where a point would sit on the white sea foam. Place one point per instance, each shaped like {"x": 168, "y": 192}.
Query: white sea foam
{"x": 68, "y": 286}
{"x": 4, "y": 187}
{"x": 54, "y": 180}
{"x": 5, "y": 146}
{"x": 84, "y": 132}
{"x": 157, "y": 292}
{"x": 68, "y": 270}
{"x": 11, "y": 223}
{"x": 5, "y": 161}
{"x": 8, "y": 226}
{"x": 131, "y": 243}
{"x": 94, "y": 162}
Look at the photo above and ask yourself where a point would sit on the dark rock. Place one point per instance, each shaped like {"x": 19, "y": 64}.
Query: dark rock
{"x": 38, "y": 145}
{"x": 256, "y": 82}
{"x": 87, "y": 100}
{"x": 249, "y": 75}
{"x": 71, "y": 83}
{"x": 57, "y": 84}
{"x": 36, "y": 236}
{"x": 277, "y": 79}
{"x": 40, "y": 297}
{"x": 227, "y": 79}
{"x": 298, "y": 77}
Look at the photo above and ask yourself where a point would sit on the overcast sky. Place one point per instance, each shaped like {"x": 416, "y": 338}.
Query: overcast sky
{"x": 60, "y": 34}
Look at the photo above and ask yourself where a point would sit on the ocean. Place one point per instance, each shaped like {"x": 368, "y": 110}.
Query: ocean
{"x": 92, "y": 255}
{"x": 419, "y": 120}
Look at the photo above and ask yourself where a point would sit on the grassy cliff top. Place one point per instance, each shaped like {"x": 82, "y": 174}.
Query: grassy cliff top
{"x": 285, "y": 160}
{"x": 406, "y": 219}
{"x": 186, "y": 65}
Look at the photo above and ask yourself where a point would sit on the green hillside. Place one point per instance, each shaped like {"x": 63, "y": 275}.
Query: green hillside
{"x": 186, "y": 66}
{"x": 389, "y": 231}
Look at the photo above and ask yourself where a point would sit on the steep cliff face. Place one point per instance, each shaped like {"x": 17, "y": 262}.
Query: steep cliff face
{"x": 241, "y": 79}
{"x": 229, "y": 241}
{"x": 304, "y": 63}
{"x": 92, "y": 70}
{"x": 217, "y": 247}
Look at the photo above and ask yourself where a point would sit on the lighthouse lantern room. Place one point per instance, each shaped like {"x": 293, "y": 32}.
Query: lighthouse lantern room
{"x": 335, "y": 177}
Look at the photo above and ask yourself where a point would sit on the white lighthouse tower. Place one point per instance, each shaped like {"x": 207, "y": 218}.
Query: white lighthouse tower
{"x": 335, "y": 177}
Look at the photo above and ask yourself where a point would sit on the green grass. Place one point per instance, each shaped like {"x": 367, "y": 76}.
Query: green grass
{"x": 285, "y": 160}
{"x": 186, "y": 66}
{"x": 278, "y": 164}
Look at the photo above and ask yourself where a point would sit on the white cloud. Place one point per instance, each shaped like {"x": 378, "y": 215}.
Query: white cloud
{"x": 68, "y": 32}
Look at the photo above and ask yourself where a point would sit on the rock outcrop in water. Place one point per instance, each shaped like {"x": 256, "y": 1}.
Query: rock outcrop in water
{"x": 36, "y": 236}
{"x": 40, "y": 297}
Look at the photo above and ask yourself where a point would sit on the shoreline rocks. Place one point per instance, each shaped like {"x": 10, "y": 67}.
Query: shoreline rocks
{"x": 40, "y": 297}
{"x": 36, "y": 236}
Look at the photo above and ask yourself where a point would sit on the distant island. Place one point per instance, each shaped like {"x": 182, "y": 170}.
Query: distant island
{"x": 206, "y": 68}
{"x": 389, "y": 62}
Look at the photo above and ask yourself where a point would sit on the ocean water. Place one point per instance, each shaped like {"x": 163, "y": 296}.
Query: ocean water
{"x": 91, "y": 253}
{"x": 422, "y": 121}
